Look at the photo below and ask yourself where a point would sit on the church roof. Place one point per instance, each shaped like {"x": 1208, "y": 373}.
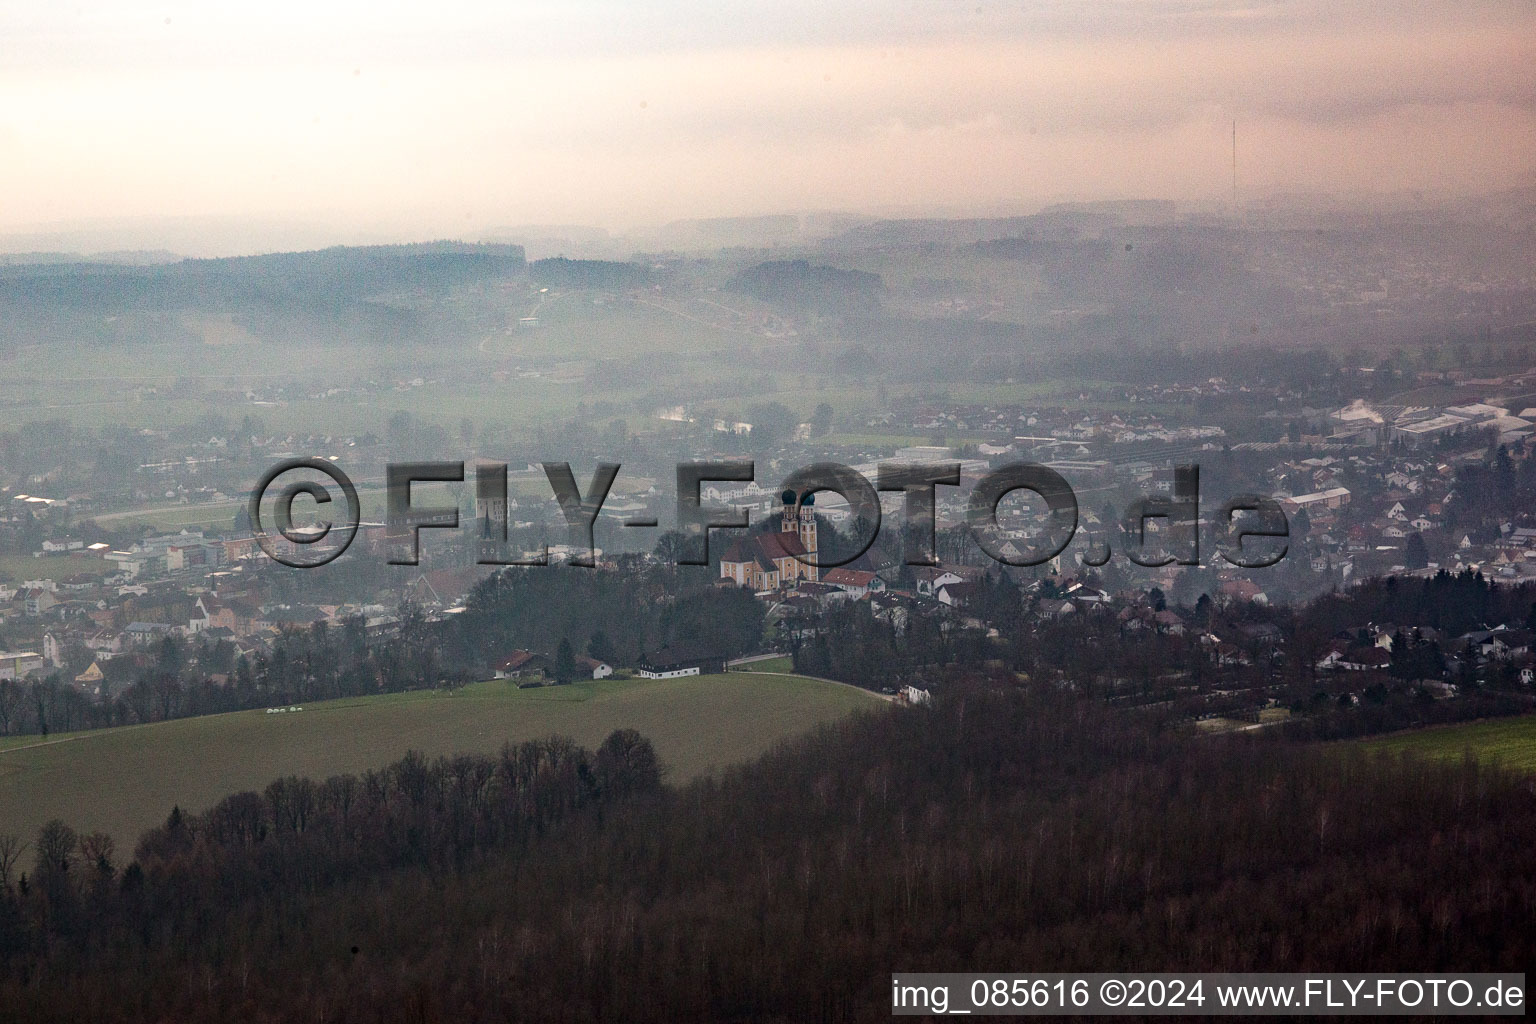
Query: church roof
{"x": 764, "y": 550}
{"x": 780, "y": 545}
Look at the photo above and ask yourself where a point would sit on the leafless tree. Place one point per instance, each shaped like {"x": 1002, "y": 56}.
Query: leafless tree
{"x": 96, "y": 850}
{"x": 11, "y": 849}
{"x": 56, "y": 844}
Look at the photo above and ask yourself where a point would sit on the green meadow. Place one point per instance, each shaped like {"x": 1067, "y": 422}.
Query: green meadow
{"x": 125, "y": 780}
{"x": 1510, "y": 742}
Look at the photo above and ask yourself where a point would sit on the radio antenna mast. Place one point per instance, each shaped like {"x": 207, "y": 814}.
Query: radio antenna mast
{"x": 1234, "y": 165}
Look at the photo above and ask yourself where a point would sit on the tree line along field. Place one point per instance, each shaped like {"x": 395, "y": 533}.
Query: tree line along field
{"x": 125, "y": 780}
{"x": 1511, "y": 742}
{"x": 771, "y": 666}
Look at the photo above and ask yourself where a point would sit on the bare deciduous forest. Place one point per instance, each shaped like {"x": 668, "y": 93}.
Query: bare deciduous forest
{"x": 1004, "y": 827}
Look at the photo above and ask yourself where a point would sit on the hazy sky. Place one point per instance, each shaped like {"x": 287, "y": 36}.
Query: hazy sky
{"x": 451, "y": 118}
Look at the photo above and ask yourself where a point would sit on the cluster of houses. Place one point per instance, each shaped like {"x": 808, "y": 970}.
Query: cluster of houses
{"x": 1370, "y": 649}
{"x": 673, "y": 661}
{"x": 528, "y": 668}
{"x": 92, "y": 623}
{"x": 1398, "y": 508}
{"x": 1370, "y": 488}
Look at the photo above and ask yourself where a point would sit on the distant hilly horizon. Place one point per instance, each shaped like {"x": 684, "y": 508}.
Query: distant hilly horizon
{"x": 1160, "y": 268}
{"x": 122, "y": 241}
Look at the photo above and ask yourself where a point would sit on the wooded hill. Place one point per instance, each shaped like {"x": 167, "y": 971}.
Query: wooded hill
{"x": 1002, "y": 828}
{"x": 277, "y": 296}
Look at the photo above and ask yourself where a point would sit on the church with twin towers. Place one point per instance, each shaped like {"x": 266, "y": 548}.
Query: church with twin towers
{"x": 772, "y": 561}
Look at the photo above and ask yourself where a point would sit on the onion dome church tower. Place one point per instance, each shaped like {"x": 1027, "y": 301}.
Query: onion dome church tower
{"x": 799, "y": 517}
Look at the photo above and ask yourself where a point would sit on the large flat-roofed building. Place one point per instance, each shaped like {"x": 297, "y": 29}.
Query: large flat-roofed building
{"x": 1431, "y": 429}
{"x": 680, "y": 659}
{"x": 1333, "y": 497}
{"x": 16, "y": 664}
{"x": 1477, "y": 411}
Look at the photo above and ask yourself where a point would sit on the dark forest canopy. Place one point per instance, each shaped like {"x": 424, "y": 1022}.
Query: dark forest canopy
{"x": 1004, "y": 824}
{"x": 637, "y": 610}
{"x": 1452, "y": 603}
{"x": 603, "y": 275}
{"x": 798, "y": 284}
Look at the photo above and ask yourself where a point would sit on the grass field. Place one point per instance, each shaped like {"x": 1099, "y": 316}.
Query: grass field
{"x": 1508, "y": 741}
{"x": 776, "y": 666}
{"x": 16, "y": 568}
{"x": 125, "y": 780}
